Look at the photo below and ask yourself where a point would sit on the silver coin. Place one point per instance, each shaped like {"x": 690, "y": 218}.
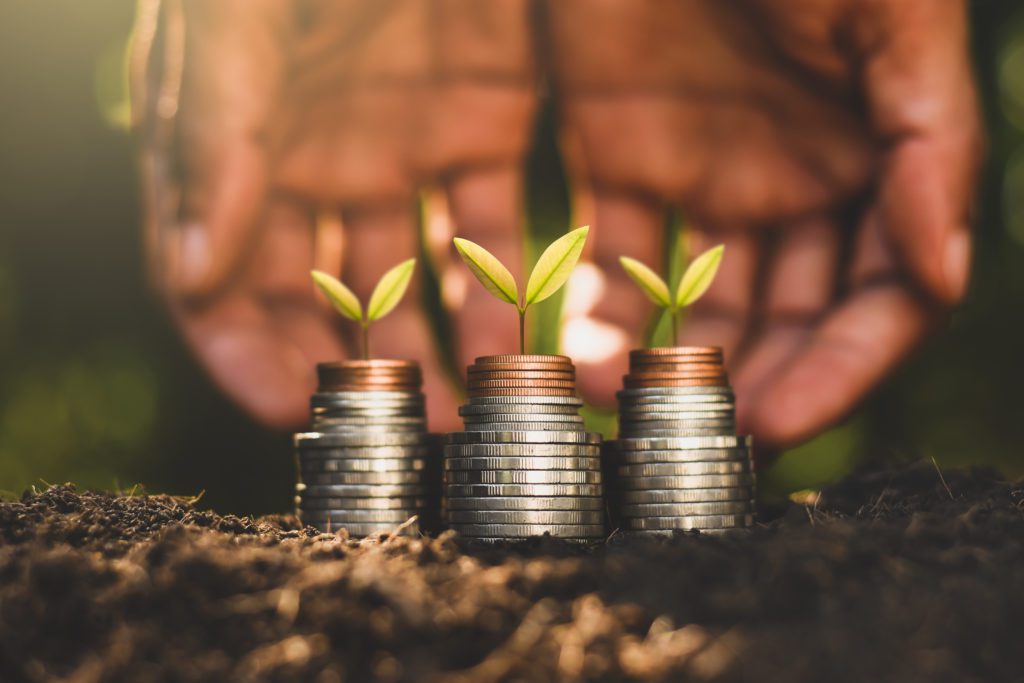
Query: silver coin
{"x": 333, "y": 440}
{"x": 686, "y": 442}
{"x": 735, "y": 507}
{"x": 336, "y": 503}
{"x": 522, "y": 490}
{"x": 691, "y": 402}
{"x": 369, "y": 429}
{"x": 525, "y": 516}
{"x": 528, "y": 450}
{"x": 524, "y": 463}
{"x": 521, "y": 417}
{"x": 721, "y": 426}
{"x": 696, "y": 481}
{"x": 528, "y": 530}
{"x": 524, "y": 503}
{"x": 703, "y": 455}
{"x": 369, "y": 411}
{"x": 691, "y": 495}
{"x": 364, "y": 396}
{"x": 362, "y": 465}
{"x": 365, "y": 490}
{"x": 673, "y": 419}
{"x": 538, "y": 400}
{"x": 691, "y": 522}
{"x": 314, "y": 479}
{"x": 361, "y": 516}
{"x": 522, "y": 477}
{"x": 646, "y": 392}
{"x": 524, "y": 437}
{"x": 517, "y": 408}
{"x": 358, "y": 529}
{"x": 673, "y": 433}
{"x": 358, "y": 420}
{"x": 364, "y": 452}
{"x": 663, "y": 469}
{"x": 666, "y": 413}
{"x": 366, "y": 414}
{"x": 489, "y": 427}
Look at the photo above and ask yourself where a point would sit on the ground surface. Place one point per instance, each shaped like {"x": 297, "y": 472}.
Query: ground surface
{"x": 894, "y": 575}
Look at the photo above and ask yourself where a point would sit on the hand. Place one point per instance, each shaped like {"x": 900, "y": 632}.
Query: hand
{"x": 267, "y": 126}
{"x": 832, "y": 146}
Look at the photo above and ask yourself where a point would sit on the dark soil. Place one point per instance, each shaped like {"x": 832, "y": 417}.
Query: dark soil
{"x": 895, "y": 575}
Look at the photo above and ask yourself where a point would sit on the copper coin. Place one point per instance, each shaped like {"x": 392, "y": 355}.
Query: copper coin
{"x": 698, "y": 382}
{"x": 513, "y": 383}
{"x": 670, "y": 366}
{"x": 377, "y": 388}
{"x": 521, "y": 391}
{"x": 372, "y": 363}
{"x": 524, "y": 358}
{"x": 640, "y": 377}
{"x": 505, "y": 367}
{"x": 522, "y": 375}
{"x": 678, "y": 351}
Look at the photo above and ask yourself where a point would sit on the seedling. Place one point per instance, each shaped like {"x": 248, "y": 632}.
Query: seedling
{"x": 386, "y": 295}
{"x": 692, "y": 285}
{"x": 551, "y": 272}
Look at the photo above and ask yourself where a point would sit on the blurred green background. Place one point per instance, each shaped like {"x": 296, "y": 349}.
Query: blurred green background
{"x": 96, "y": 388}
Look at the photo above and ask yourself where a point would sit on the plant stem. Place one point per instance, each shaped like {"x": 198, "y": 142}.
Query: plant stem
{"x": 366, "y": 341}
{"x": 675, "y": 327}
{"x": 522, "y": 331}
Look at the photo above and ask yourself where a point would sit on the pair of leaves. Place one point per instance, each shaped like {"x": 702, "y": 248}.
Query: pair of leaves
{"x": 386, "y": 295}
{"x": 551, "y": 271}
{"x": 694, "y": 283}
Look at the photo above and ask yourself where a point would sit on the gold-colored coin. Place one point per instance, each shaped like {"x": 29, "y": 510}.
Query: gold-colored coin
{"x": 524, "y": 358}
{"x": 522, "y": 391}
{"x": 521, "y": 374}
{"x": 504, "y": 367}
{"x": 525, "y": 383}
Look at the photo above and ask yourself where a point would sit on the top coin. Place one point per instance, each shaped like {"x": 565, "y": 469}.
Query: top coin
{"x": 677, "y": 351}
{"x": 524, "y": 358}
{"x": 518, "y": 366}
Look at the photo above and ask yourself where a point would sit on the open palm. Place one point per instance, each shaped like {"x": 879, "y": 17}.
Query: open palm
{"x": 832, "y": 146}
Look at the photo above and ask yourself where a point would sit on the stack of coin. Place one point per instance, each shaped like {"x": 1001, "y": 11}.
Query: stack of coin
{"x": 369, "y": 464}
{"x": 525, "y": 466}
{"x": 678, "y": 463}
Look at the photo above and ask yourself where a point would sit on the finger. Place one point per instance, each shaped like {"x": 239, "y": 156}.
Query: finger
{"x": 158, "y": 39}
{"x": 801, "y": 283}
{"x": 722, "y": 316}
{"x": 847, "y": 354}
{"x": 485, "y": 206}
{"x": 260, "y": 340}
{"x": 376, "y": 238}
{"x": 921, "y": 92}
{"x": 231, "y": 77}
{"x": 597, "y": 333}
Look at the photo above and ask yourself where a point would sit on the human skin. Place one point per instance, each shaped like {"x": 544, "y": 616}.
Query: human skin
{"x": 832, "y": 146}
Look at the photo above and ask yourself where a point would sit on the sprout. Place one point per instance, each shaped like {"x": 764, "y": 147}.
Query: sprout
{"x": 552, "y": 270}
{"x": 694, "y": 283}
{"x": 386, "y": 295}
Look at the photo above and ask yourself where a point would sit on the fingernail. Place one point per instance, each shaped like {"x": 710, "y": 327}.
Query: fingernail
{"x": 194, "y": 256}
{"x": 957, "y": 264}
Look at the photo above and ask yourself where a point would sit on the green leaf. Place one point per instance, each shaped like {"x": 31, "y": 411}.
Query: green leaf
{"x": 340, "y": 296}
{"x": 652, "y": 285}
{"x": 698, "y": 276}
{"x": 489, "y": 271}
{"x": 555, "y": 265}
{"x": 390, "y": 290}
